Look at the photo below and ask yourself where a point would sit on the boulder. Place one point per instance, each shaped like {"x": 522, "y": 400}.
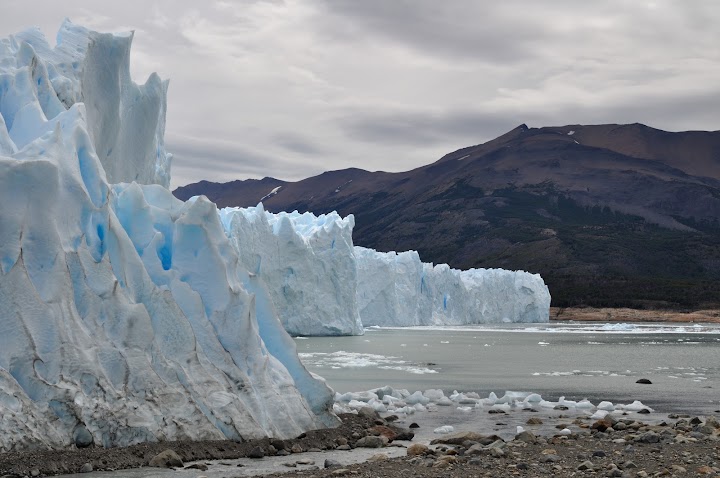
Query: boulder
{"x": 371, "y": 442}
{"x": 166, "y": 459}
{"x": 82, "y": 437}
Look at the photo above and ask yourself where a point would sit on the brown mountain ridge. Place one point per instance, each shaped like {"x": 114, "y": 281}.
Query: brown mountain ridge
{"x": 610, "y": 215}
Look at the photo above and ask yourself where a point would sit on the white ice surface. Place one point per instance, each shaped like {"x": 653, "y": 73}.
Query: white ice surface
{"x": 122, "y": 309}
{"x": 304, "y": 262}
{"x": 398, "y": 289}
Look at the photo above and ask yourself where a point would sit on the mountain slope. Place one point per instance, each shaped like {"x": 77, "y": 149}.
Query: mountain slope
{"x": 610, "y": 215}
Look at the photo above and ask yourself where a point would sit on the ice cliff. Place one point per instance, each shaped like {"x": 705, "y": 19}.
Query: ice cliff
{"x": 320, "y": 284}
{"x": 124, "y": 312}
{"x": 397, "y": 289}
{"x": 304, "y": 262}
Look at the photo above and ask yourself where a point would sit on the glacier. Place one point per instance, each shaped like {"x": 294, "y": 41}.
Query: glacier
{"x": 399, "y": 290}
{"x": 321, "y": 284}
{"x": 134, "y": 316}
{"x": 305, "y": 264}
{"x": 124, "y": 312}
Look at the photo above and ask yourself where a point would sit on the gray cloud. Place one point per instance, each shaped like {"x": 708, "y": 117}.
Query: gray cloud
{"x": 295, "y": 87}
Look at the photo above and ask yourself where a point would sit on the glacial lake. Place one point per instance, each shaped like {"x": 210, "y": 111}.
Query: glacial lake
{"x": 577, "y": 360}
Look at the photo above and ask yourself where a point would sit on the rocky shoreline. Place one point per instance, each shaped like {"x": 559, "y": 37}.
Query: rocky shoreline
{"x": 614, "y": 446}
{"x": 591, "y": 314}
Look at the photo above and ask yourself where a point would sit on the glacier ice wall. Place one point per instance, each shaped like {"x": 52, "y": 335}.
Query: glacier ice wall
{"x": 397, "y": 289}
{"x": 126, "y": 121}
{"x": 122, "y": 309}
{"x": 304, "y": 262}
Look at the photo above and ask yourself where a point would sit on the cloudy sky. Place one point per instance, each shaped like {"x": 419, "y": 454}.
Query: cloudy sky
{"x": 292, "y": 88}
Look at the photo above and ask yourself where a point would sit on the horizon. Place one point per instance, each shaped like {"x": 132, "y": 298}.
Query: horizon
{"x": 291, "y": 89}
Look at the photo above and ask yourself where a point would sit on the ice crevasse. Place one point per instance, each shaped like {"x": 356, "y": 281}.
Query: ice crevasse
{"x": 124, "y": 312}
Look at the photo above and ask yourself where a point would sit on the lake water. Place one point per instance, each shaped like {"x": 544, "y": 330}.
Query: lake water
{"x": 597, "y": 361}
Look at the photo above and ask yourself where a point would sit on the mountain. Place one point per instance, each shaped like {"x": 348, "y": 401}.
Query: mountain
{"x": 609, "y": 215}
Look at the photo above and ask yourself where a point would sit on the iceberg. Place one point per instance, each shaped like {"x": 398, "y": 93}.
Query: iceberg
{"x": 399, "y": 290}
{"x": 125, "y": 313}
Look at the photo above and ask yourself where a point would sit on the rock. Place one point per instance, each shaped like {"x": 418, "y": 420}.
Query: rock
{"x": 549, "y": 458}
{"x": 341, "y": 441}
{"x": 379, "y": 457}
{"x": 329, "y": 463}
{"x": 534, "y": 421}
{"x": 629, "y": 465}
{"x": 381, "y": 430}
{"x": 391, "y": 418}
{"x": 417, "y": 449}
{"x": 695, "y": 421}
{"x": 704, "y": 429}
{"x": 601, "y": 425}
{"x": 368, "y": 412}
{"x": 88, "y": 468}
{"x": 305, "y": 461}
{"x": 678, "y": 469}
{"x": 197, "y": 466}
{"x": 496, "y": 452}
{"x": 460, "y": 437}
{"x": 256, "y": 452}
{"x": 644, "y": 381}
{"x": 34, "y": 472}
{"x": 711, "y": 421}
{"x": 341, "y": 471}
{"x": 344, "y": 448}
{"x": 414, "y": 425}
{"x": 648, "y": 437}
{"x": 405, "y": 435}
{"x": 296, "y": 448}
{"x": 586, "y": 466}
{"x": 166, "y": 459}
{"x": 560, "y": 407}
{"x": 644, "y": 411}
{"x": 82, "y": 437}
{"x": 290, "y": 464}
{"x": 526, "y": 436}
{"x": 371, "y": 442}
{"x": 278, "y": 444}
{"x": 496, "y": 411}
{"x": 705, "y": 470}
{"x": 599, "y": 453}
{"x": 446, "y": 459}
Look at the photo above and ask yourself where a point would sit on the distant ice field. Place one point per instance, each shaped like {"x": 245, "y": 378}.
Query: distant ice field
{"x": 598, "y": 361}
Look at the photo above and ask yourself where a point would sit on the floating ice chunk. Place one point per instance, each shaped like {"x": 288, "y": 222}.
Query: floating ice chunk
{"x": 584, "y": 404}
{"x": 417, "y": 397}
{"x": 434, "y": 394}
{"x": 444, "y": 402}
{"x": 464, "y": 409}
{"x": 565, "y": 431}
{"x": 519, "y": 430}
{"x": 533, "y": 398}
{"x": 444, "y": 429}
{"x": 635, "y": 406}
{"x": 607, "y": 406}
{"x": 502, "y": 406}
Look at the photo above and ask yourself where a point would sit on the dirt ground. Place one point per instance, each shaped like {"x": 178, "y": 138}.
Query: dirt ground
{"x": 633, "y": 315}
